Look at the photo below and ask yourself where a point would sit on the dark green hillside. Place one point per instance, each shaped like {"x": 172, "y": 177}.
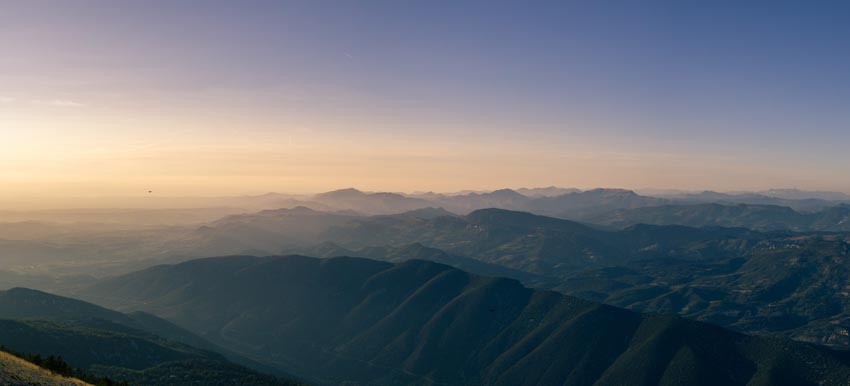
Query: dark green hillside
{"x": 797, "y": 287}
{"x": 368, "y": 322}
{"x": 718, "y": 275}
{"x": 137, "y": 347}
{"x": 417, "y": 251}
{"x": 658, "y": 268}
{"x": 111, "y": 350}
{"x": 28, "y": 304}
{"x": 84, "y": 345}
{"x": 728, "y": 276}
{"x": 24, "y": 303}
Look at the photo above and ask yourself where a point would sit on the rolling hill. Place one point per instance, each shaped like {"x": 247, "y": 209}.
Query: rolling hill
{"x": 417, "y": 251}
{"x": 32, "y": 305}
{"x": 125, "y": 347}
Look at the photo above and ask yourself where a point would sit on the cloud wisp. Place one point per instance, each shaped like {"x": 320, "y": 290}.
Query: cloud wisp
{"x": 62, "y": 103}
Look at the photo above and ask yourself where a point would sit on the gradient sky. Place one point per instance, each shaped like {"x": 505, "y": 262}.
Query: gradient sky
{"x": 229, "y": 97}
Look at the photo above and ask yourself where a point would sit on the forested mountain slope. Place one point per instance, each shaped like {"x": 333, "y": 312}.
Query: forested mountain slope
{"x": 349, "y": 319}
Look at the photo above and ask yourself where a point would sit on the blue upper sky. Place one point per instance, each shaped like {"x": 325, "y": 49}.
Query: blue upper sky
{"x": 763, "y": 85}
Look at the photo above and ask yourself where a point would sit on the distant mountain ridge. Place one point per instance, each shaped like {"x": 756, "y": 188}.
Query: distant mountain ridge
{"x": 553, "y": 201}
{"x": 757, "y": 217}
{"x": 807, "y": 204}
{"x": 373, "y": 203}
{"x": 550, "y": 201}
{"x": 797, "y": 194}
{"x": 550, "y": 191}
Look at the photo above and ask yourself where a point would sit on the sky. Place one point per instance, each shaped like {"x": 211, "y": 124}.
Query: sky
{"x": 102, "y": 98}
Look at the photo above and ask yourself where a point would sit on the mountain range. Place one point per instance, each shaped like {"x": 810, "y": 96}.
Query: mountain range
{"x": 103, "y": 242}
{"x": 518, "y": 240}
{"x": 357, "y": 321}
{"x": 757, "y": 217}
{"x": 720, "y": 275}
{"x": 566, "y": 203}
{"x": 769, "y": 264}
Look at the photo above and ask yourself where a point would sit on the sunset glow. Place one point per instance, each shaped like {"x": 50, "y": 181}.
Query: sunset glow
{"x": 112, "y": 98}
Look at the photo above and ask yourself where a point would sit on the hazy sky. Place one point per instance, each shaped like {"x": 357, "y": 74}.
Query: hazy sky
{"x": 226, "y": 97}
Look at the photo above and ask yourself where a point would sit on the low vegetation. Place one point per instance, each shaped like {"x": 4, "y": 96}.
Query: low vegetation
{"x": 16, "y": 371}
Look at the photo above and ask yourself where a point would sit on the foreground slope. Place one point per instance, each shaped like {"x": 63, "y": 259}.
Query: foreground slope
{"x": 367, "y": 322}
{"x": 16, "y": 371}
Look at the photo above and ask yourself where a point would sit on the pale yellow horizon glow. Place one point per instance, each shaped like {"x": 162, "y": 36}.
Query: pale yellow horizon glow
{"x": 115, "y": 99}
{"x": 54, "y": 153}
